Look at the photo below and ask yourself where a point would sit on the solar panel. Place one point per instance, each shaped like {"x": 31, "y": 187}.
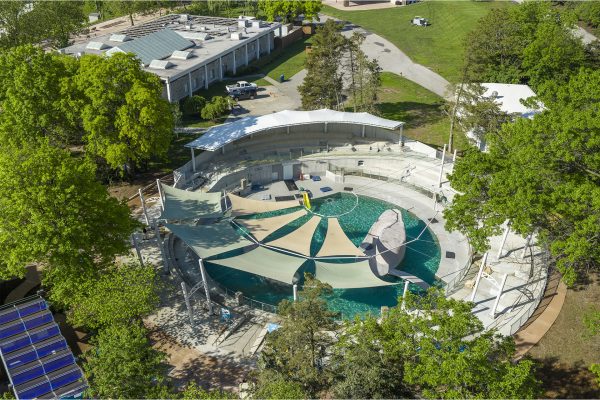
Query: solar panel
{"x": 35, "y": 355}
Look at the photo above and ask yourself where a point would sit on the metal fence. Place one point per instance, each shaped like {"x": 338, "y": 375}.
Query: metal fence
{"x": 258, "y": 305}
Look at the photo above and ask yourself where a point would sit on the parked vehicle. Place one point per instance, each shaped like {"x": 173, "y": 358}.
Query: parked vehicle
{"x": 420, "y": 21}
{"x": 243, "y": 94}
{"x": 241, "y": 85}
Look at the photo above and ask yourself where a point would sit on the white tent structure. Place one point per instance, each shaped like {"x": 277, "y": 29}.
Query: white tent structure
{"x": 217, "y": 137}
{"x": 246, "y": 206}
{"x": 265, "y": 262}
{"x": 183, "y": 204}
{"x": 336, "y": 242}
{"x": 210, "y": 240}
{"x": 348, "y": 275}
{"x": 299, "y": 240}
{"x": 260, "y": 228}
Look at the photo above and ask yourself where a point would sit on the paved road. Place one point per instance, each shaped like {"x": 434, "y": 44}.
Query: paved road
{"x": 584, "y": 35}
{"x": 392, "y": 59}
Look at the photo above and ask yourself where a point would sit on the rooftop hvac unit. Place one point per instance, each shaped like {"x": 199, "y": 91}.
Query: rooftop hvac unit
{"x": 242, "y": 23}
{"x": 183, "y": 18}
{"x": 236, "y": 36}
{"x": 188, "y": 27}
{"x": 256, "y": 24}
{"x": 243, "y": 183}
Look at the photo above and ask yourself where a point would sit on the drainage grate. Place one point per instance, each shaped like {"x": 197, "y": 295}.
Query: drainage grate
{"x": 450, "y": 254}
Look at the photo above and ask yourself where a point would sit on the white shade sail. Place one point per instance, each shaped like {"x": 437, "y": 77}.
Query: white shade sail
{"x": 265, "y": 262}
{"x": 336, "y": 242}
{"x": 260, "y": 228}
{"x": 183, "y": 204}
{"x": 348, "y": 275}
{"x": 218, "y": 136}
{"x": 245, "y": 206}
{"x": 299, "y": 240}
{"x": 210, "y": 240}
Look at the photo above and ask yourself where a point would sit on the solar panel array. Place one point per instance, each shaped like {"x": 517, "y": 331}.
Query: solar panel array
{"x": 35, "y": 354}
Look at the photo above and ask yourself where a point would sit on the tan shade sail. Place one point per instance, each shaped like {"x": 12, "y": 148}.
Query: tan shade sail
{"x": 348, "y": 276}
{"x": 209, "y": 240}
{"x": 260, "y": 228}
{"x": 183, "y": 204}
{"x": 336, "y": 242}
{"x": 265, "y": 262}
{"x": 299, "y": 240}
{"x": 245, "y": 206}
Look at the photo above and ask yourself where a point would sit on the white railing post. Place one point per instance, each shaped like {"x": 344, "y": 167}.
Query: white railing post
{"x": 160, "y": 194}
{"x": 295, "y": 292}
{"x": 404, "y": 293}
{"x": 506, "y": 230}
{"x": 476, "y": 286}
{"x": 493, "y": 312}
{"x": 442, "y": 166}
{"x": 193, "y": 159}
{"x": 188, "y": 304}
{"x": 205, "y": 282}
{"x": 454, "y": 156}
{"x": 143, "y": 201}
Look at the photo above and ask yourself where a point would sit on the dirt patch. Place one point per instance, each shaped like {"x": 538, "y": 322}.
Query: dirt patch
{"x": 567, "y": 350}
{"x": 207, "y": 370}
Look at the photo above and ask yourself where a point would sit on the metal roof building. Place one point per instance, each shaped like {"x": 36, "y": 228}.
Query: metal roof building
{"x": 188, "y": 52}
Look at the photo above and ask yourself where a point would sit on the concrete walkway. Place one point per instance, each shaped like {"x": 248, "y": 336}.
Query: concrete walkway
{"x": 32, "y": 279}
{"x": 549, "y": 308}
{"x": 392, "y": 59}
{"x": 585, "y": 36}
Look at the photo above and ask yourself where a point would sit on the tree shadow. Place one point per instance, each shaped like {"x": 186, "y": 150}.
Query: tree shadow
{"x": 564, "y": 381}
{"x": 413, "y": 113}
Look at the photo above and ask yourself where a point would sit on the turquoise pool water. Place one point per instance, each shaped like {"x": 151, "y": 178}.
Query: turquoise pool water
{"x": 422, "y": 256}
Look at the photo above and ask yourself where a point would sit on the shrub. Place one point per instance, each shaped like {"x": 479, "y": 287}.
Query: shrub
{"x": 216, "y": 108}
{"x": 193, "y": 105}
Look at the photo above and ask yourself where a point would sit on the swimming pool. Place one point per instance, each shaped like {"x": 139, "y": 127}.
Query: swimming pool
{"x": 422, "y": 256}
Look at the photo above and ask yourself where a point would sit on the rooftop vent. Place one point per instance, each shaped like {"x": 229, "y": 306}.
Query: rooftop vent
{"x": 242, "y": 23}
{"x": 160, "y": 64}
{"x": 97, "y": 46}
{"x": 236, "y": 35}
{"x": 181, "y": 55}
{"x": 257, "y": 24}
{"x": 494, "y": 94}
{"x": 117, "y": 37}
{"x": 184, "y": 18}
{"x": 193, "y": 35}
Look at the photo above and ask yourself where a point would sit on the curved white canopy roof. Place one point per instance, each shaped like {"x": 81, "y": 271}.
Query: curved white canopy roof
{"x": 220, "y": 135}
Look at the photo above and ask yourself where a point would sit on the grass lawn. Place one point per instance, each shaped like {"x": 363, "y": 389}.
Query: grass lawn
{"x": 422, "y": 110}
{"x": 439, "y": 46}
{"x": 289, "y": 61}
{"x": 177, "y": 155}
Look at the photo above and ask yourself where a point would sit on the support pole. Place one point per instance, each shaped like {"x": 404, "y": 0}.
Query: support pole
{"x": 188, "y": 304}
{"x": 205, "y": 282}
{"x": 160, "y": 246}
{"x": 295, "y": 290}
{"x": 363, "y": 131}
{"x": 234, "y": 61}
{"x": 442, "y": 167}
{"x": 434, "y": 198}
{"x": 143, "y": 201}
{"x": 454, "y": 156}
{"x": 481, "y": 268}
{"x": 405, "y": 292}
{"x": 246, "y": 55}
{"x": 506, "y": 230}
{"x": 527, "y": 243}
{"x": 193, "y": 159}
{"x": 160, "y": 194}
{"x": 493, "y": 312}
{"x": 206, "y": 76}
{"x": 221, "y": 68}
{"x": 190, "y": 91}
{"x": 137, "y": 249}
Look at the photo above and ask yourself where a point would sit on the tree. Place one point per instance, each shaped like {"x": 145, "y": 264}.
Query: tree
{"x": 592, "y": 323}
{"x": 124, "y": 117}
{"x": 54, "y": 212}
{"x": 123, "y": 364}
{"x": 193, "y": 392}
{"x": 131, "y": 7}
{"x": 192, "y": 106}
{"x": 589, "y": 12}
{"x": 33, "y": 97}
{"x": 121, "y": 295}
{"x": 30, "y": 22}
{"x": 297, "y": 349}
{"x": 273, "y": 385}
{"x": 322, "y": 86}
{"x": 448, "y": 355}
{"x": 364, "y": 343}
{"x": 541, "y": 174}
{"x": 216, "y": 108}
{"x": 478, "y": 113}
{"x": 363, "y": 74}
{"x": 289, "y": 10}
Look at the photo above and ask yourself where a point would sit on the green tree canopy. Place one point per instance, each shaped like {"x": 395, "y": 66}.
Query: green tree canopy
{"x": 541, "y": 174}
{"x": 122, "y": 364}
{"x": 32, "y": 22}
{"x": 195, "y": 392}
{"x": 434, "y": 348}
{"x": 297, "y": 349}
{"x": 530, "y": 43}
{"x": 121, "y": 295}
{"x": 33, "y": 97}
{"x": 289, "y": 10}
{"x": 55, "y": 212}
{"x": 124, "y": 118}
{"x": 272, "y": 385}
